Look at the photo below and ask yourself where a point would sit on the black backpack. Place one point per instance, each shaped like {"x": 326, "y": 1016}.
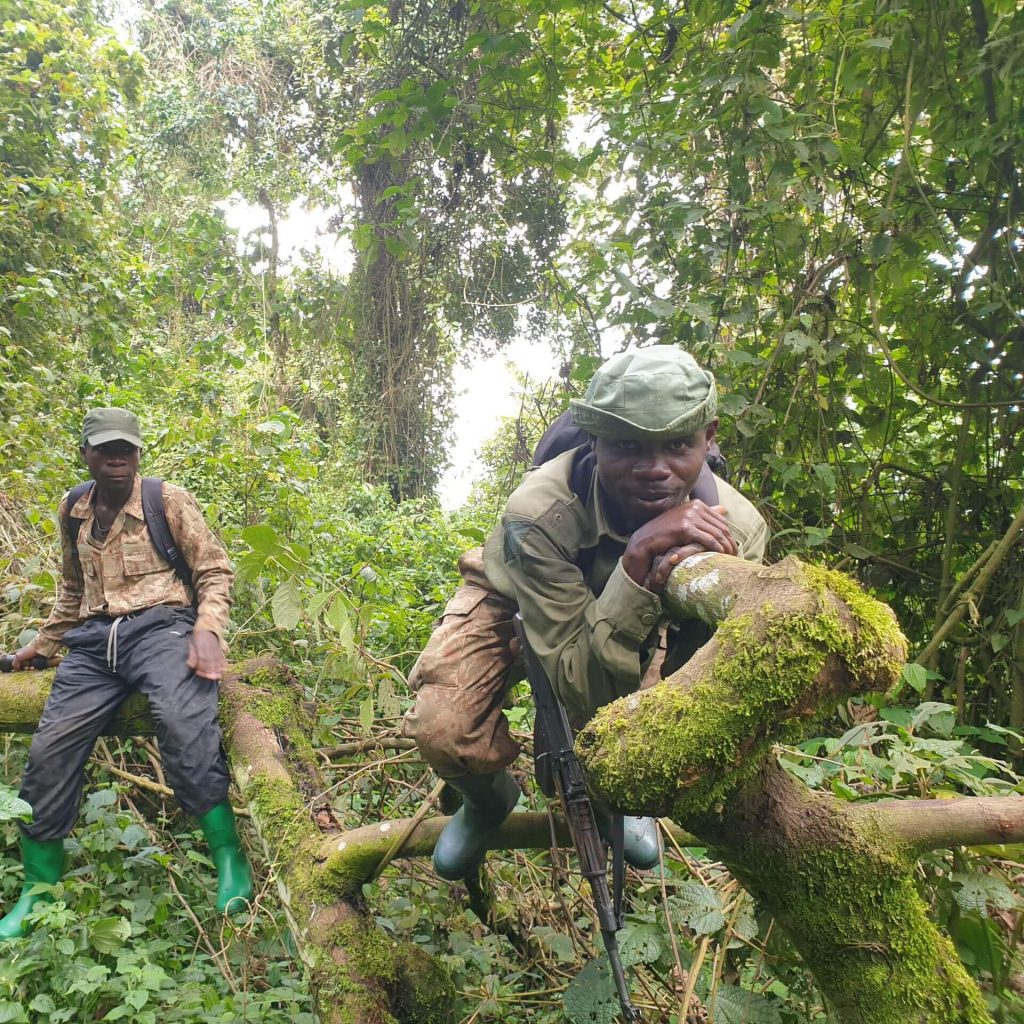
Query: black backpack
{"x": 154, "y": 516}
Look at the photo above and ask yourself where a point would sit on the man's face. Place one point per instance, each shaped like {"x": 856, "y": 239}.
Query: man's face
{"x": 113, "y": 464}
{"x": 646, "y": 478}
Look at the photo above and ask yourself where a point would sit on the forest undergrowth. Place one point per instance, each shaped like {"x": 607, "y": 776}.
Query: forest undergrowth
{"x": 133, "y": 935}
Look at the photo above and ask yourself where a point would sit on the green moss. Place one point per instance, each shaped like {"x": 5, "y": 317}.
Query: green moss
{"x": 349, "y": 868}
{"x": 679, "y": 752}
{"x": 425, "y": 993}
{"x": 418, "y": 989}
{"x": 847, "y": 899}
{"x": 266, "y": 690}
{"x": 292, "y": 833}
{"x": 877, "y": 652}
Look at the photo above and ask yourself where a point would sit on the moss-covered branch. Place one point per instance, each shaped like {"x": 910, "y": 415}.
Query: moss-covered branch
{"x": 840, "y": 882}
{"x": 23, "y": 694}
{"x": 352, "y": 858}
{"x": 844, "y": 892}
{"x": 790, "y": 639}
{"x": 937, "y": 824}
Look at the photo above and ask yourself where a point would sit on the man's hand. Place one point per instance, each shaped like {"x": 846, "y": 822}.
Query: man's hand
{"x": 690, "y": 525}
{"x": 23, "y": 659}
{"x": 205, "y": 656}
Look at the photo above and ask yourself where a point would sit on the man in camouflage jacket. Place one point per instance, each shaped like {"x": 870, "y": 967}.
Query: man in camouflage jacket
{"x": 130, "y": 623}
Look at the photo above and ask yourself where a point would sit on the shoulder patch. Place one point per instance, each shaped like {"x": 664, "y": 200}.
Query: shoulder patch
{"x": 513, "y": 534}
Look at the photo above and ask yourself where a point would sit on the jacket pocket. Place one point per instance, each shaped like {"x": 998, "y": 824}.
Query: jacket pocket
{"x": 141, "y": 559}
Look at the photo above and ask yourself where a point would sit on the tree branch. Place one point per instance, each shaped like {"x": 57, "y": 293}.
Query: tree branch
{"x": 939, "y": 824}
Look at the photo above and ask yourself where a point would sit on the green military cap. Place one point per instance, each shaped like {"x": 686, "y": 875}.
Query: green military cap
{"x": 103, "y": 425}
{"x": 648, "y": 393}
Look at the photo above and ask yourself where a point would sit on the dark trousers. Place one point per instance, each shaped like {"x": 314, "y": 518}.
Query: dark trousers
{"x": 148, "y": 653}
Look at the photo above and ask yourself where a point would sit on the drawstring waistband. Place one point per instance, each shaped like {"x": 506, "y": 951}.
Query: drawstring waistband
{"x": 112, "y": 640}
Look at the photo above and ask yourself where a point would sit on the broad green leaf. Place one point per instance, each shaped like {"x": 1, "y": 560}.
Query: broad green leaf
{"x": 935, "y": 715}
{"x": 286, "y": 606}
{"x": 109, "y": 934}
{"x": 316, "y": 603}
{"x": 388, "y": 701}
{"x": 732, "y": 1005}
{"x": 261, "y": 537}
{"x": 339, "y": 619}
{"x": 12, "y": 807}
{"x": 591, "y": 997}
{"x": 640, "y": 944}
{"x": 745, "y": 927}
{"x": 842, "y": 790}
{"x": 700, "y": 907}
{"x": 916, "y": 677}
{"x": 858, "y": 550}
{"x": 366, "y": 712}
{"x": 975, "y": 892}
{"x": 998, "y": 641}
{"x": 120, "y": 1012}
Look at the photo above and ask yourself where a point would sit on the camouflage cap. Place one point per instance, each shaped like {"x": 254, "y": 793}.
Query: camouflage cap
{"x": 648, "y": 393}
{"x": 103, "y": 425}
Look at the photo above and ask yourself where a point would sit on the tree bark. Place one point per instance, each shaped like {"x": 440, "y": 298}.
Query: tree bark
{"x": 838, "y": 879}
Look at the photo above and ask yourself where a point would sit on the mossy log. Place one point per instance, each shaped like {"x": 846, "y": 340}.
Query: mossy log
{"x": 838, "y": 878}
{"x": 354, "y": 857}
{"x": 698, "y": 748}
{"x": 359, "y": 975}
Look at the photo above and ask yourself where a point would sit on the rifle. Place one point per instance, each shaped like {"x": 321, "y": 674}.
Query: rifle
{"x": 559, "y": 773}
{"x": 7, "y": 662}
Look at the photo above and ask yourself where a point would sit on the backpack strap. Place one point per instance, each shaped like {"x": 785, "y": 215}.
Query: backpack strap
{"x": 74, "y": 496}
{"x": 561, "y": 436}
{"x": 159, "y": 529}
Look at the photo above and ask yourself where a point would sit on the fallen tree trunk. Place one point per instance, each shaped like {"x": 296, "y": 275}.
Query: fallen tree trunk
{"x": 838, "y": 878}
{"x": 358, "y": 974}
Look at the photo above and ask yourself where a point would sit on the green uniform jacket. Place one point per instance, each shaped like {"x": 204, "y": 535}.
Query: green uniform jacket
{"x": 560, "y": 560}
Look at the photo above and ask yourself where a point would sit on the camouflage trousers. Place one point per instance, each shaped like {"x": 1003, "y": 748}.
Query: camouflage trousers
{"x": 462, "y": 678}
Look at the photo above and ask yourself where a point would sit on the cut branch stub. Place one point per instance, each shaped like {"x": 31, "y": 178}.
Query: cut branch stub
{"x": 791, "y": 637}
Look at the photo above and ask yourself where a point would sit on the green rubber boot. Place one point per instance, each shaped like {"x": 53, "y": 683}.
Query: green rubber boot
{"x": 44, "y": 863}
{"x": 487, "y": 800}
{"x": 234, "y": 879}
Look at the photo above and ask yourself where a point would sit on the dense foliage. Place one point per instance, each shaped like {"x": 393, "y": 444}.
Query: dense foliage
{"x": 822, "y": 201}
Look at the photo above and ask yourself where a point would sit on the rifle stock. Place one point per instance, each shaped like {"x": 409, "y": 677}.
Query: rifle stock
{"x": 559, "y": 773}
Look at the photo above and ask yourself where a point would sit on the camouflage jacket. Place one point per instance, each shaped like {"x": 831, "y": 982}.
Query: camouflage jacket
{"x": 124, "y": 573}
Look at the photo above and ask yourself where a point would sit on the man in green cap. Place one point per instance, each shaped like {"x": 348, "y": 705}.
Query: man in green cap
{"x": 583, "y": 549}
{"x": 131, "y": 620}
